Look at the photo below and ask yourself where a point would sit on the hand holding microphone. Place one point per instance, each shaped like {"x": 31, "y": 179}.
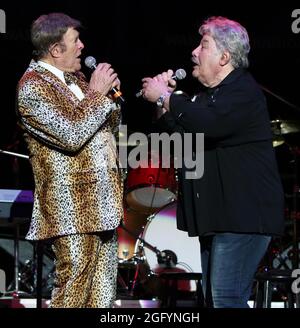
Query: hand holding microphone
{"x": 180, "y": 74}
{"x": 159, "y": 88}
{"x": 104, "y": 79}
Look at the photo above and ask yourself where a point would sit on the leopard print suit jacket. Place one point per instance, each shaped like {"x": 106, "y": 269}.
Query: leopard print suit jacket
{"x": 78, "y": 186}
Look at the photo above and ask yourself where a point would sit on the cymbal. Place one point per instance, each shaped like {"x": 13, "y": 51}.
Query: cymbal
{"x": 280, "y": 127}
{"x": 277, "y": 141}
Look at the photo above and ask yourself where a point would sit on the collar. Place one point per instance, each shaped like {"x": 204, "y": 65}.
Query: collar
{"x": 231, "y": 77}
{"x": 57, "y": 72}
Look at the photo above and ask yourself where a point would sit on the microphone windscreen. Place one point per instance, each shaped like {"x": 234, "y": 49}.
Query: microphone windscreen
{"x": 180, "y": 74}
{"x": 90, "y": 62}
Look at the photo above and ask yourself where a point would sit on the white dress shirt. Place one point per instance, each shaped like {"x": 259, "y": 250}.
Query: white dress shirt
{"x": 60, "y": 74}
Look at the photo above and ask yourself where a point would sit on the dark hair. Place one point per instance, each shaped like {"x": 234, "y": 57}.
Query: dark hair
{"x": 48, "y": 30}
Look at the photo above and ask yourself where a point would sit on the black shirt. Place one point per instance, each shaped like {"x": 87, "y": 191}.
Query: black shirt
{"x": 240, "y": 190}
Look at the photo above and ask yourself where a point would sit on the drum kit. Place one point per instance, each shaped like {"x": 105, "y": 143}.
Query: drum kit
{"x": 284, "y": 253}
{"x": 149, "y": 241}
{"x": 149, "y": 227}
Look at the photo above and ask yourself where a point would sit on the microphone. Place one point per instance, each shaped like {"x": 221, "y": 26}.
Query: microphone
{"x": 91, "y": 63}
{"x": 180, "y": 74}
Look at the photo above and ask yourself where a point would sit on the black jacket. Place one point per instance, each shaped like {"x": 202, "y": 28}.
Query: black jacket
{"x": 240, "y": 190}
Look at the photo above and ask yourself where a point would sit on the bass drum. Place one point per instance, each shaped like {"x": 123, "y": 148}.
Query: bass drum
{"x": 183, "y": 252}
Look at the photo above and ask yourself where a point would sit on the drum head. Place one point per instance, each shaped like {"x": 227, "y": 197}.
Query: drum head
{"x": 161, "y": 232}
{"x": 150, "y": 197}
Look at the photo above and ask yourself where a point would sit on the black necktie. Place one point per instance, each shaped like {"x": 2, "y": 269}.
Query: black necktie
{"x": 69, "y": 78}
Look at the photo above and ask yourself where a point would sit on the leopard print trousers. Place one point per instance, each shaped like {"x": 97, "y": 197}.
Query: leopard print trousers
{"x": 86, "y": 270}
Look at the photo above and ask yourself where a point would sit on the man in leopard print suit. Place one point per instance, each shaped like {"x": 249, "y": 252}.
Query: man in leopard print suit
{"x": 78, "y": 187}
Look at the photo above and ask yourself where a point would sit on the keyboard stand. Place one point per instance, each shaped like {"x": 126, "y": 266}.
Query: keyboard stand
{"x": 14, "y": 288}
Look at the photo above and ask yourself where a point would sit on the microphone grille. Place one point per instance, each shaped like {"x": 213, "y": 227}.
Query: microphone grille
{"x": 180, "y": 74}
{"x": 90, "y": 61}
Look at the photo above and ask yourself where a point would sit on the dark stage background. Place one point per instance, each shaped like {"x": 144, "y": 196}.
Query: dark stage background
{"x": 143, "y": 38}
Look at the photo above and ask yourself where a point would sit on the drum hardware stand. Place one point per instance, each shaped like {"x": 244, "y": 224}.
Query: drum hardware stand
{"x": 139, "y": 259}
{"x": 143, "y": 241}
{"x": 122, "y": 282}
{"x": 14, "y": 291}
{"x": 282, "y": 261}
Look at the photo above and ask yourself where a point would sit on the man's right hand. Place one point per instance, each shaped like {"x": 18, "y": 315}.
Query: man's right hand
{"x": 103, "y": 78}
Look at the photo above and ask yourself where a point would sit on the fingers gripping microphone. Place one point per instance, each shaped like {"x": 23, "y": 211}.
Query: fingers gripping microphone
{"x": 91, "y": 63}
{"x": 180, "y": 74}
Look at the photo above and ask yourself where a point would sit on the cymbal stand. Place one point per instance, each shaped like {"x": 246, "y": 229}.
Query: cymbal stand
{"x": 143, "y": 241}
{"x": 15, "y": 285}
{"x": 10, "y": 153}
{"x": 139, "y": 260}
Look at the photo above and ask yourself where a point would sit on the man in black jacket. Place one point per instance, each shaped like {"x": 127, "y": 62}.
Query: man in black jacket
{"x": 237, "y": 205}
